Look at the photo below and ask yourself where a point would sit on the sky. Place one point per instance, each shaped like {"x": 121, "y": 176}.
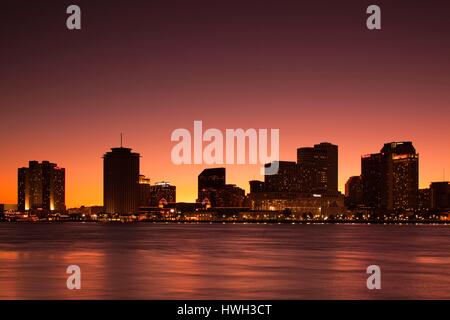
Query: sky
{"x": 145, "y": 68}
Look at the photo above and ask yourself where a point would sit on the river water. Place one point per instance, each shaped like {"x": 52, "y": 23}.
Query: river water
{"x": 223, "y": 261}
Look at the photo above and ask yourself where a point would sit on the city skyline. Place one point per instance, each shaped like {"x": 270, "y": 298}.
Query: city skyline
{"x": 312, "y": 70}
{"x": 123, "y": 152}
{"x": 225, "y": 159}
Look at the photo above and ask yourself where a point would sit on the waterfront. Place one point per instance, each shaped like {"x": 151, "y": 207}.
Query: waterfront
{"x": 223, "y": 261}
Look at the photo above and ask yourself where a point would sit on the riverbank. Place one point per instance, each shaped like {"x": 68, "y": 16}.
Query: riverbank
{"x": 413, "y": 222}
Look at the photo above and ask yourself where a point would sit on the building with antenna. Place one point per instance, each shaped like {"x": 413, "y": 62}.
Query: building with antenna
{"x": 121, "y": 180}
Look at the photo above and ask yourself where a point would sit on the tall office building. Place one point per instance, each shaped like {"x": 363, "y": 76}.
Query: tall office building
{"x": 213, "y": 190}
{"x": 424, "y": 200}
{"x": 319, "y": 165}
{"x": 308, "y": 186}
{"x": 401, "y": 174}
{"x": 315, "y": 172}
{"x": 354, "y": 191}
{"x": 162, "y": 193}
{"x": 391, "y": 177}
{"x": 230, "y": 196}
{"x": 256, "y": 186}
{"x": 210, "y": 181}
{"x": 286, "y": 180}
{"x": 144, "y": 191}
{"x": 440, "y": 195}
{"x": 41, "y": 186}
{"x": 211, "y": 178}
{"x": 121, "y": 181}
{"x": 372, "y": 182}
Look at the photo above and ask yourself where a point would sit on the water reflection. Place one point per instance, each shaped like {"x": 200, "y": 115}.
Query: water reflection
{"x": 216, "y": 261}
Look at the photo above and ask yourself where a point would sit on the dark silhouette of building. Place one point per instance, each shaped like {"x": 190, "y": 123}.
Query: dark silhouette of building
{"x": 424, "y": 200}
{"x": 210, "y": 181}
{"x": 315, "y": 172}
{"x": 256, "y": 186}
{"x": 144, "y": 191}
{"x": 319, "y": 168}
{"x": 354, "y": 191}
{"x": 211, "y": 178}
{"x": 308, "y": 179}
{"x": 391, "y": 177}
{"x": 440, "y": 195}
{"x": 162, "y": 193}
{"x": 286, "y": 180}
{"x": 306, "y": 187}
{"x": 230, "y": 196}
{"x": 401, "y": 174}
{"x": 372, "y": 181}
{"x": 214, "y": 192}
{"x": 121, "y": 181}
{"x": 41, "y": 186}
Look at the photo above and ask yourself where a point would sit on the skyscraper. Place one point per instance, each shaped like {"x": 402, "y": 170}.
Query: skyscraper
{"x": 210, "y": 181}
{"x": 354, "y": 191}
{"x": 162, "y": 193}
{"x": 213, "y": 190}
{"x": 315, "y": 172}
{"x": 41, "y": 186}
{"x": 391, "y": 177}
{"x": 144, "y": 191}
{"x": 440, "y": 195}
{"x": 401, "y": 176}
{"x": 424, "y": 200}
{"x": 121, "y": 181}
{"x": 211, "y": 178}
{"x": 286, "y": 180}
{"x": 231, "y": 196}
{"x": 321, "y": 161}
{"x": 372, "y": 182}
{"x": 256, "y": 186}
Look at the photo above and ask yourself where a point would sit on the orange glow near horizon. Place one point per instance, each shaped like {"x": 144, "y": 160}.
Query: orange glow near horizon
{"x": 84, "y": 171}
{"x": 65, "y": 96}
